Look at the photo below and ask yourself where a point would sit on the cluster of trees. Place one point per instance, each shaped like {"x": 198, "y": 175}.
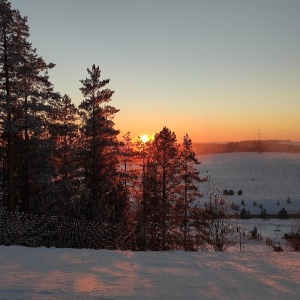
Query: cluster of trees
{"x": 55, "y": 157}
{"x": 59, "y": 159}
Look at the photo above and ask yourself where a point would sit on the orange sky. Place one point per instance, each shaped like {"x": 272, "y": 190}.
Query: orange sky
{"x": 212, "y": 128}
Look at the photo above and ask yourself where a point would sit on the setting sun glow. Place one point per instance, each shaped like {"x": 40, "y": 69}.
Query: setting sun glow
{"x": 145, "y": 138}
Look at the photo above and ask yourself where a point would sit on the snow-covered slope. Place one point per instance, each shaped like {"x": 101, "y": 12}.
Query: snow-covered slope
{"x": 42, "y": 273}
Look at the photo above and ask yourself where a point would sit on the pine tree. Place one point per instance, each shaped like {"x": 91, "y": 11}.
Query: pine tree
{"x": 64, "y": 130}
{"x": 127, "y": 174}
{"x": 190, "y": 189}
{"x": 144, "y": 193}
{"x": 64, "y": 133}
{"x": 166, "y": 157}
{"x": 101, "y": 146}
{"x": 24, "y": 105}
{"x": 10, "y": 58}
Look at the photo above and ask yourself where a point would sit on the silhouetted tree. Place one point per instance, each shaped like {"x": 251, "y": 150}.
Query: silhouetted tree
{"x": 189, "y": 189}
{"x": 166, "y": 157}
{"x": 26, "y": 96}
{"x": 99, "y": 157}
{"x": 127, "y": 174}
{"x": 11, "y": 39}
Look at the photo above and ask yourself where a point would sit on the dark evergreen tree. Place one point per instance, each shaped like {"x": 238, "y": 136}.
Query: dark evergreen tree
{"x": 26, "y": 98}
{"x": 64, "y": 131}
{"x": 166, "y": 159}
{"x": 127, "y": 175}
{"x": 11, "y": 40}
{"x": 190, "y": 189}
{"x": 99, "y": 157}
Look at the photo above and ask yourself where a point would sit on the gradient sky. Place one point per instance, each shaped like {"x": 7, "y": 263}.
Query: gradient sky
{"x": 217, "y": 70}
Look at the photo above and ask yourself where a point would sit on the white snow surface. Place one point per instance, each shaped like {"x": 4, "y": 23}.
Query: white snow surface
{"x": 269, "y": 179}
{"x": 50, "y": 273}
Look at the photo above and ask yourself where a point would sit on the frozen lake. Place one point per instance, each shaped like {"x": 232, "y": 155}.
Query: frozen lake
{"x": 267, "y": 178}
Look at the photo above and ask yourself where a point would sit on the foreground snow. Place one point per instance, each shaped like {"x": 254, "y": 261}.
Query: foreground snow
{"x": 42, "y": 273}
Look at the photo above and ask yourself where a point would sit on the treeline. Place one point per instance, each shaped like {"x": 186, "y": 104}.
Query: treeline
{"x": 63, "y": 160}
{"x": 247, "y": 146}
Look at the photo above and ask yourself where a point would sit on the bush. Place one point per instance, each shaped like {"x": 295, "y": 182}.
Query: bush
{"x": 240, "y": 192}
{"x": 283, "y": 214}
{"x": 231, "y": 193}
{"x": 245, "y": 214}
{"x": 264, "y": 214}
{"x": 254, "y": 232}
{"x": 235, "y": 206}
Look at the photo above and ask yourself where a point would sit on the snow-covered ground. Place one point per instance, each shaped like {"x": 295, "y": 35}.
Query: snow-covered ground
{"x": 269, "y": 179}
{"x": 49, "y": 273}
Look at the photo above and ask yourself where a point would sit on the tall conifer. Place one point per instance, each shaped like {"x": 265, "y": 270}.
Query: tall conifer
{"x": 25, "y": 94}
{"x": 101, "y": 145}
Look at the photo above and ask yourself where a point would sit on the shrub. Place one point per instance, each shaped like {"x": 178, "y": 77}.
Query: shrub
{"x": 254, "y": 232}
{"x": 240, "y": 192}
{"x": 235, "y": 206}
{"x": 245, "y": 214}
{"x": 264, "y": 214}
{"x": 283, "y": 214}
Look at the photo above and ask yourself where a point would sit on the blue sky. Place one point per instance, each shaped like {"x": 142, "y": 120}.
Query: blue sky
{"x": 218, "y": 70}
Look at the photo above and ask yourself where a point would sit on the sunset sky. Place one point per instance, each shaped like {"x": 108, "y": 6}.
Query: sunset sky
{"x": 217, "y": 70}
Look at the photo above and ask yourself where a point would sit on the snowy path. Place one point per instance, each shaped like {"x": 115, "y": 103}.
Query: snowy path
{"x": 42, "y": 273}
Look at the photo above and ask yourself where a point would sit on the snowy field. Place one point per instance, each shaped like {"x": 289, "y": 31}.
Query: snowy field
{"x": 269, "y": 179}
{"x": 49, "y": 273}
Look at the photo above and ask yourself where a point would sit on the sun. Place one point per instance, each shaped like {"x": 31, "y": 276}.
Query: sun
{"x": 145, "y": 138}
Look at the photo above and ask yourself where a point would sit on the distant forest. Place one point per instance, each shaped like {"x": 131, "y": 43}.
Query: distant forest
{"x": 247, "y": 146}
